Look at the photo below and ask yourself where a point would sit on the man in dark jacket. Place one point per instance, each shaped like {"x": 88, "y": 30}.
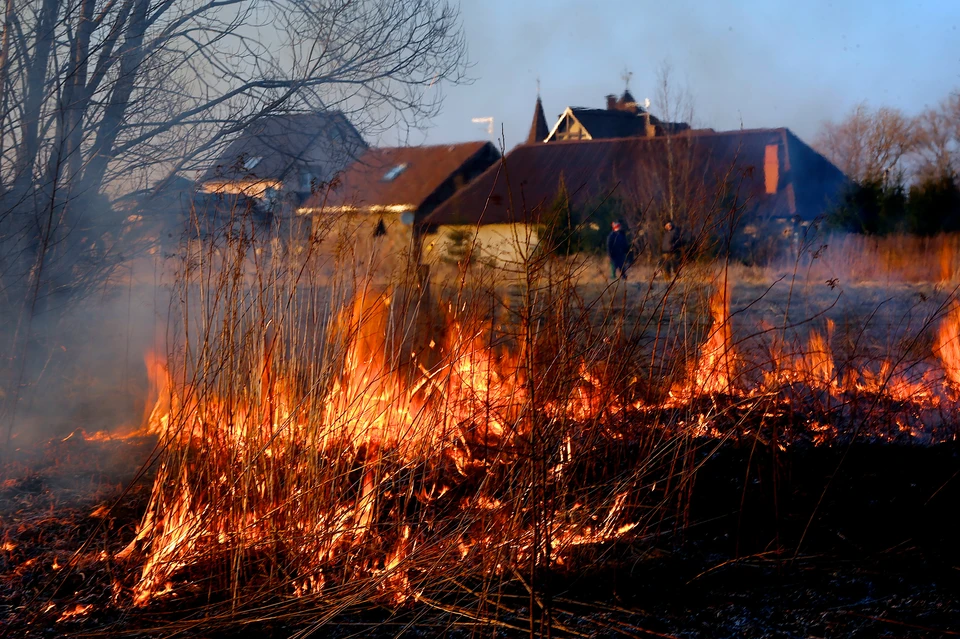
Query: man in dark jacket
{"x": 669, "y": 249}
{"x": 618, "y": 247}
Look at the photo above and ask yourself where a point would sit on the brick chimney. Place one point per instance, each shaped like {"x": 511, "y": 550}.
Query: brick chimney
{"x": 612, "y": 103}
{"x": 648, "y": 128}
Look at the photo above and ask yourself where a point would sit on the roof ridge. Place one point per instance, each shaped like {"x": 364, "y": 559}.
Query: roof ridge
{"x": 688, "y": 133}
{"x": 429, "y": 146}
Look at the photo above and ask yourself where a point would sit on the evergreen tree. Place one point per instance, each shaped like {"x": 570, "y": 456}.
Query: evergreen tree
{"x": 934, "y": 206}
{"x": 872, "y": 208}
{"x": 561, "y": 233}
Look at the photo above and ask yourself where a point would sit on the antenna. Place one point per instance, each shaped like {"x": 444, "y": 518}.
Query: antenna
{"x": 626, "y": 76}
{"x": 487, "y": 120}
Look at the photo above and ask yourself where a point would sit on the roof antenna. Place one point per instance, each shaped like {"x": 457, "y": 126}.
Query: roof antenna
{"x": 487, "y": 120}
{"x": 626, "y": 75}
{"x": 538, "y": 86}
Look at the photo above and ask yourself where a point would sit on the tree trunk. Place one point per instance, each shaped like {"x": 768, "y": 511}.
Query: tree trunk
{"x": 34, "y": 92}
{"x": 131, "y": 56}
{"x": 4, "y": 61}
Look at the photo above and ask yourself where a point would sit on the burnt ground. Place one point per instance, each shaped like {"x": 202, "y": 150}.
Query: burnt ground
{"x": 880, "y": 556}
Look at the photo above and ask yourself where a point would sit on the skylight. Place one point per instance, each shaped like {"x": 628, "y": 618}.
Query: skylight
{"x": 393, "y": 173}
{"x": 251, "y": 162}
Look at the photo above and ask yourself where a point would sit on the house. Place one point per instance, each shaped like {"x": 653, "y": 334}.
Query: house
{"x": 622, "y": 118}
{"x": 751, "y": 181}
{"x": 379, "y": 200}
{"x": 285, "y": 153}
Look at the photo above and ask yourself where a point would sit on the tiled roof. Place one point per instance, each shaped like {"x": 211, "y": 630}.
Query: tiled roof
{"x": 637, "y": 170}
{"x": 608, "y": 123}
{"x": 274, "y": 146}
{"x": 403, "y": 176}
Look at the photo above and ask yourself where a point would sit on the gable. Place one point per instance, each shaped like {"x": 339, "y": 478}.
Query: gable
{"x": 281, "y": 147}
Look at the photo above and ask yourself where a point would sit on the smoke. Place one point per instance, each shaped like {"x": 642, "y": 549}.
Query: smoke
{"x": 80, "y": 364}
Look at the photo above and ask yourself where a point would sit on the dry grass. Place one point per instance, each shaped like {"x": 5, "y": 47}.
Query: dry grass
{"x": 336, "y": 437}
{"x": 338, "y": 442}
{"x": 860, "y": 259}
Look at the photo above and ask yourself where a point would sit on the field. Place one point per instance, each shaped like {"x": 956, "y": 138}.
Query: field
{"x": 737, "y": 452}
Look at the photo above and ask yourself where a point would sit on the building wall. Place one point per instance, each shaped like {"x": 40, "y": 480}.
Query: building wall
{"x": 250, "y": 188}
{"x": 498, "y": 245}
{"x": 347, "y": 243}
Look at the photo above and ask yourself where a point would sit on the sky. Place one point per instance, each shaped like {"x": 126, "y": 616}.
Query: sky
{"x": 750, "y": 63}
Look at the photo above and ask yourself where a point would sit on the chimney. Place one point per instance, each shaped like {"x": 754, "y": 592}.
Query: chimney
{"x": 649, "y": 129}
{"x": 611, "y": 103}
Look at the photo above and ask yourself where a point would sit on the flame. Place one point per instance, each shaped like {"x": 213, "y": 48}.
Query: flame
{"x": 381, "y": 411}
{"x": 331, "y": 473}
{"x": 79, "y": 610}
{"x": 947, "y": 346}
{"x": 717, "y": 367}
{"x": 715, "y": 370}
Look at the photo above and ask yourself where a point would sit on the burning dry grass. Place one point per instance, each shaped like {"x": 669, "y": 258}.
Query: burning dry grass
{"x": 327, "y": 444}
{"x": 352, "y": 443}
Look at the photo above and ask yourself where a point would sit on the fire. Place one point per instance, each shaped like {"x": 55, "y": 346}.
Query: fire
{"x": 398, "y": 449}
{"x": 79, "y": 610}
{"x": 321, "y": 465}
{"x": 717, "y": 367}
{"x": 947, "y": 345}
{"x": 715, "y": 370}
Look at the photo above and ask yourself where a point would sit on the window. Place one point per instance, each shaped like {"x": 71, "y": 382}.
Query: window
{"x": 395, "y": 172}
{"x": 252, "y": 161}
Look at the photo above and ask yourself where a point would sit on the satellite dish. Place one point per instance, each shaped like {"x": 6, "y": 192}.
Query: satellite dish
{"x": 646, "y": 103}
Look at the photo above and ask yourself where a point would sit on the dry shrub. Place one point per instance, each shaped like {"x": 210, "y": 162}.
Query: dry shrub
{"x": 888, "y": 259}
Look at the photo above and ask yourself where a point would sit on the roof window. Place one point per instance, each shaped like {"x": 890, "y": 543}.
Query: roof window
{"x": 395, "y": 172}
{"x": 250, "y": 162}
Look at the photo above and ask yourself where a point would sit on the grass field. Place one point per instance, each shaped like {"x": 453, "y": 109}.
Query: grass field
{"x": 543, "y": 451}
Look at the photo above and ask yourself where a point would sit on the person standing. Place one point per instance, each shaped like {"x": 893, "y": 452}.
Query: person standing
{"x": 618, "y": 248}
{"x": 669, "y": 249}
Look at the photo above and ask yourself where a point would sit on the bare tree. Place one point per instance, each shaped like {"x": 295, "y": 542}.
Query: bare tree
{"x": 101, "y": 94}
{"x": 98, "y": 96}
{"x": 679, "y": 183}
{"x": 869, "y": 145}
{"x": 938, "y": 139}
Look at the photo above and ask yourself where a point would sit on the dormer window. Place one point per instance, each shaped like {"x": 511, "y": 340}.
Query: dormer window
{"x": 395, "y": 172}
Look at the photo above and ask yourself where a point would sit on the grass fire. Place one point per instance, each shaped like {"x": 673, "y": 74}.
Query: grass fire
{"x": 634, "y": 371}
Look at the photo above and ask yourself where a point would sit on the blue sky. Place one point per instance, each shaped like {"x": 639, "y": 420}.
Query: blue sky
{"x": 763, "y": 63}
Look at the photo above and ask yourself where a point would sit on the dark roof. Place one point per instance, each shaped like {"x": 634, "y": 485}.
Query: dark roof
{"x": 704, "y": 163}
{"x": 538, "y": 128}
{"x": 615, "y": 123}
{"x": 323, "y": 142}
{"x": 627, "y": 97}
{"x": 404, "y": 175}
{"x": 609, "y": 123}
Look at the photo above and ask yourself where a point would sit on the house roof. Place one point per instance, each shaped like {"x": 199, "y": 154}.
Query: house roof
{"x": 636, "y": 170}
{"x": 604, "y": 123}
{"x": 401, "y": 177}
{"x": 272, "y": 146}
{"x": 538, "y": 128}
{"x": 617, "y": 123}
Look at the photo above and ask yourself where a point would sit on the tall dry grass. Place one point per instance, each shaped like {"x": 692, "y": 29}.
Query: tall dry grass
{"x": 336, "y": 436}
{"x": 888, "y": 259}
{"x": 333, "y": 437}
